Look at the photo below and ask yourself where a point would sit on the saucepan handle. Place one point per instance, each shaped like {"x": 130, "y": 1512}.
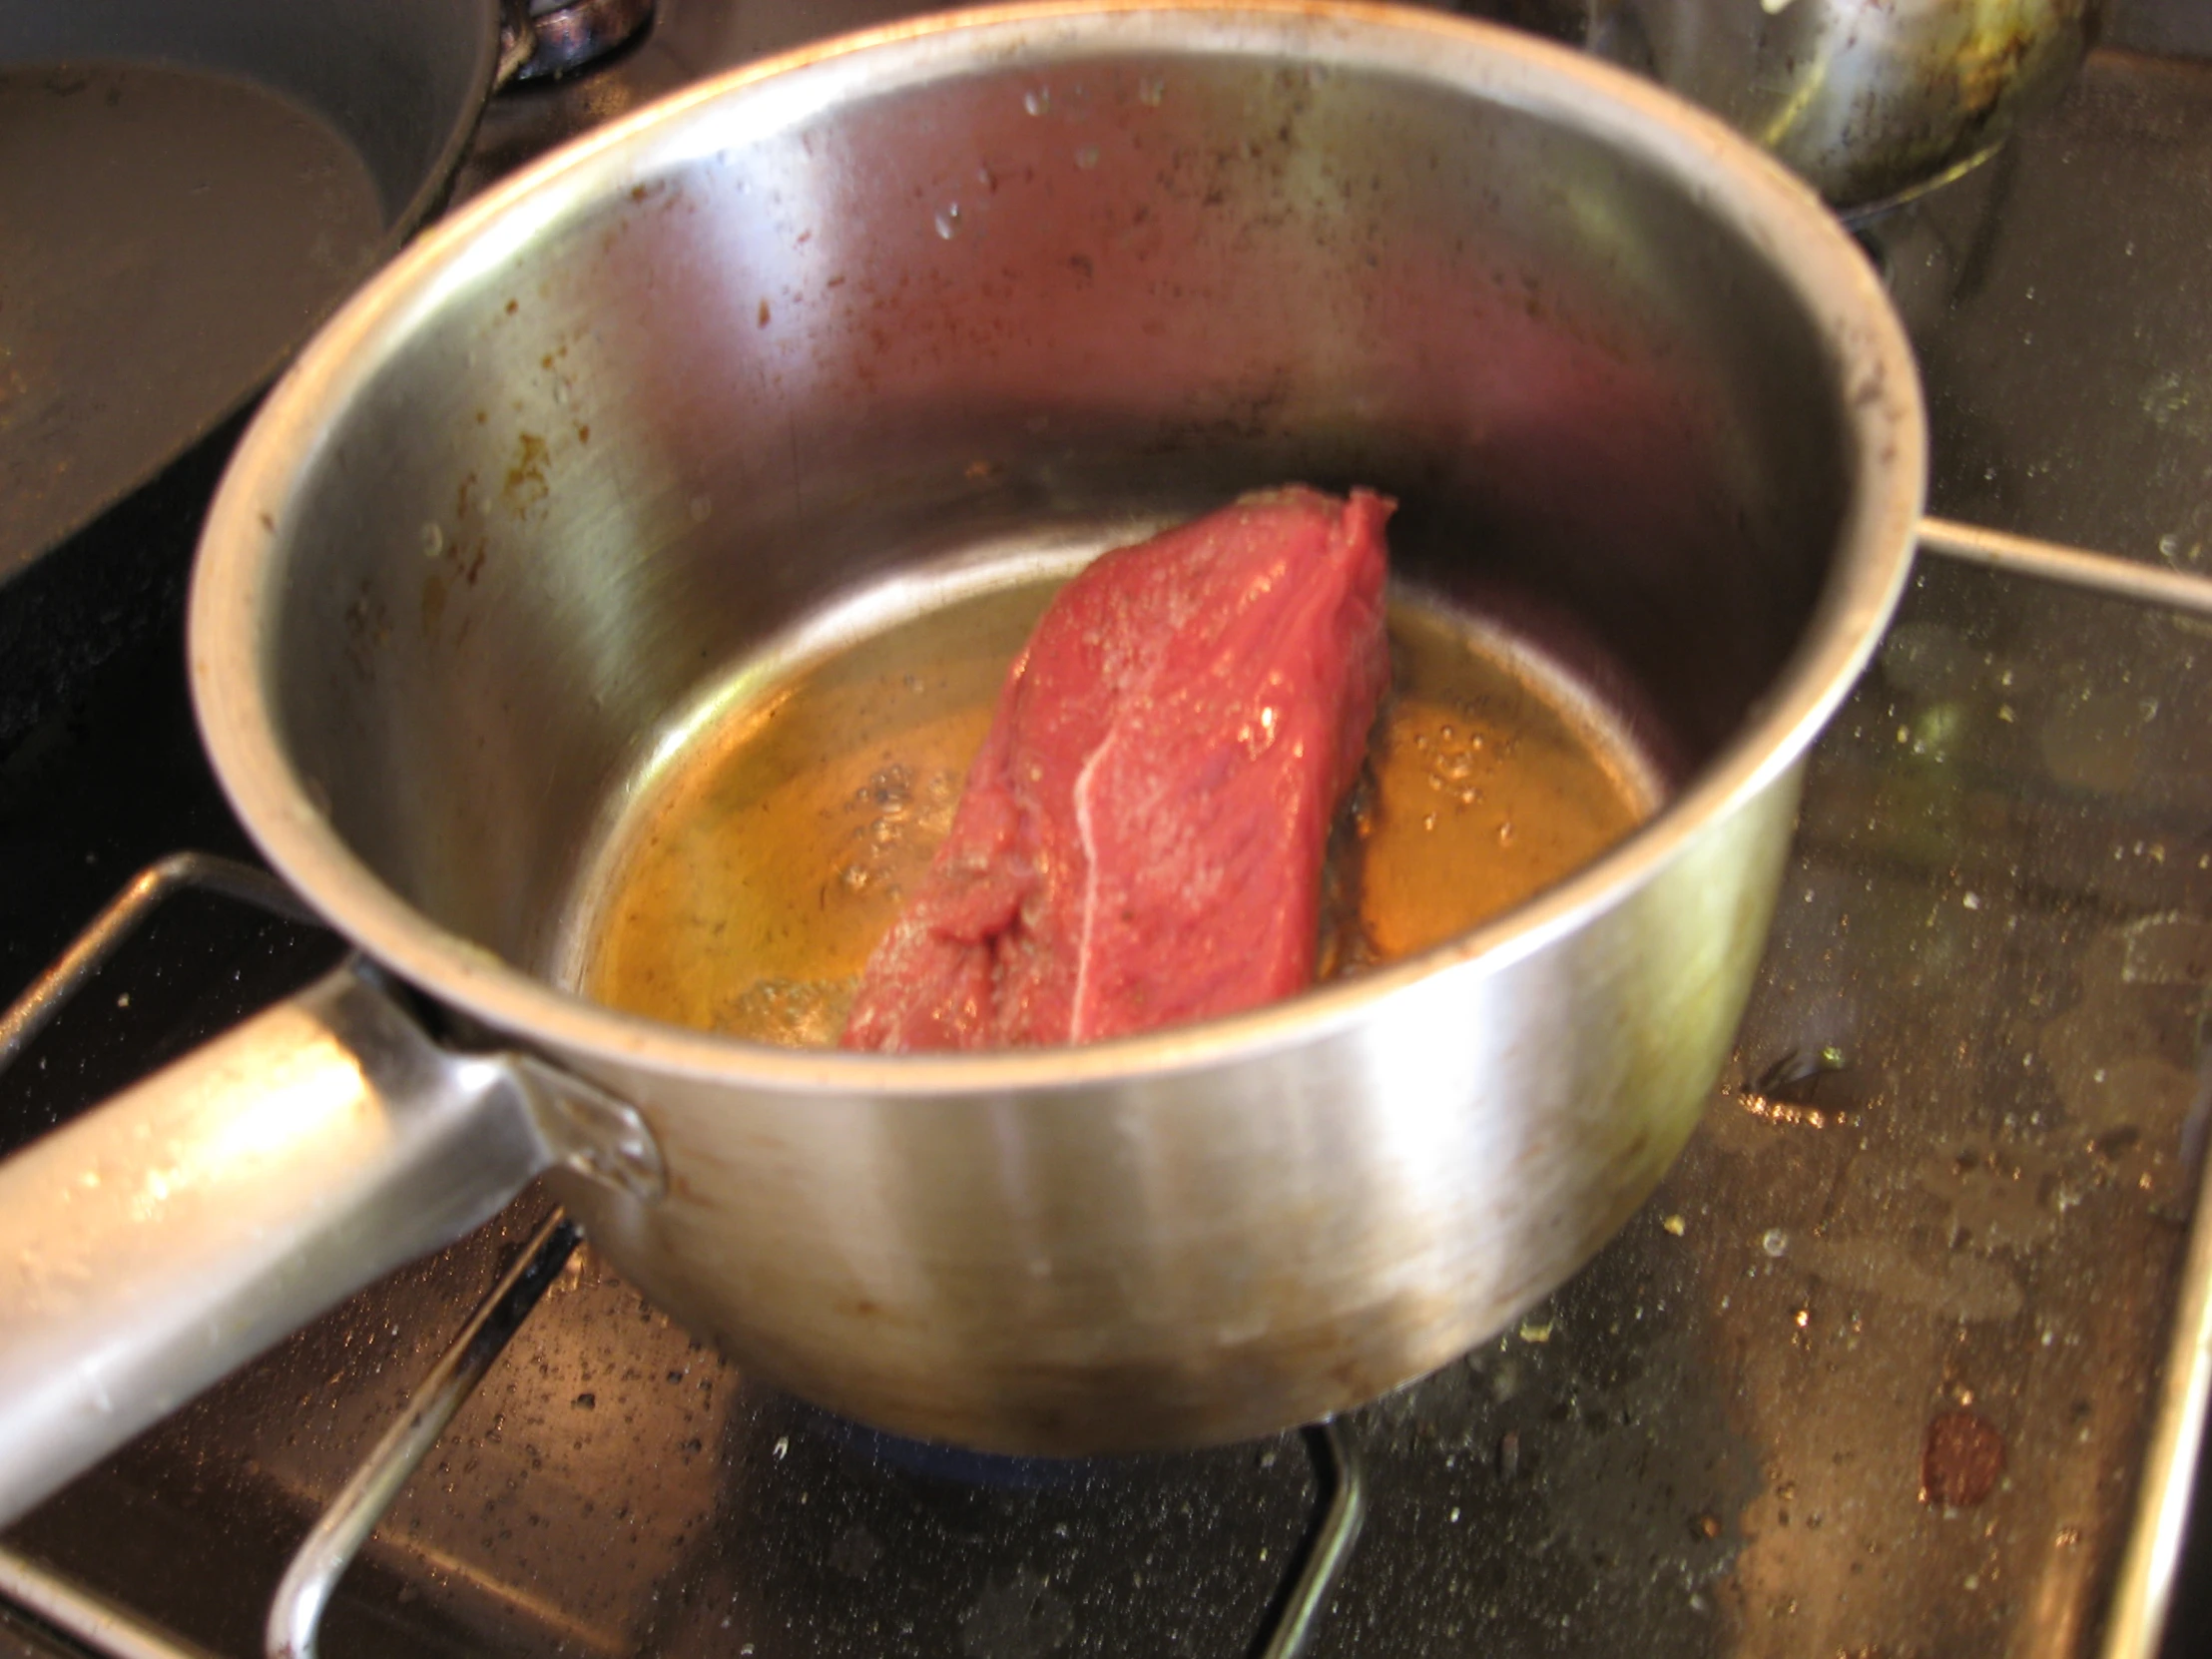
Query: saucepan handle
{"x": 175, "y": 1232}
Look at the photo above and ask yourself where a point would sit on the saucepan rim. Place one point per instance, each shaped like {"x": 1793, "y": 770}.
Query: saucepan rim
{"x": 236, "y": 581}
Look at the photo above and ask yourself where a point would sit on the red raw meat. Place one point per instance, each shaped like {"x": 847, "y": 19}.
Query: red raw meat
{"x": 1141, "y": 838}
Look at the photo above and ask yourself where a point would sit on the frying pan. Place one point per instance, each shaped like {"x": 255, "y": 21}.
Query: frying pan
{"x": 190, "y": 191}
{"x": 926, "y": 304}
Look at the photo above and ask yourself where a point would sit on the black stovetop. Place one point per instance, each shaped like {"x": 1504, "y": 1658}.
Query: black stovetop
{"x": 1999, "y": 915}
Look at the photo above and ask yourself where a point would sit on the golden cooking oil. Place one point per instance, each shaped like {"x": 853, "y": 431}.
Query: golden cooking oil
{"x": 762, "y": 865}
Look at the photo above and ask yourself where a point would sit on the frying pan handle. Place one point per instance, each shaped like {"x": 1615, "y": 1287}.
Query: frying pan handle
{"x": 175, "y": 1232}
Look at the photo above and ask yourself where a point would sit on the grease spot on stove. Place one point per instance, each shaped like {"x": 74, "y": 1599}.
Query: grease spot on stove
{"x": 856, "y": 1553}
{"x": 1021, "y": 1619}
{"x": 1961, "y": 1459}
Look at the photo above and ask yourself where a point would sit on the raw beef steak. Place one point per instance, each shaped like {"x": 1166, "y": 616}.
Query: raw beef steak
{"x": 1141, "y": 838}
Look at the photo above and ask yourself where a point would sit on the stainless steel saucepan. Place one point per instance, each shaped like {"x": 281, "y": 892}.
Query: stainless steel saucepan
{"x": 999, "y": 279}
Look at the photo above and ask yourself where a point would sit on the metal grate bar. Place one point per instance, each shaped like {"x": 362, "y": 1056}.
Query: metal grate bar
{"x": 1336, "y": 1467}
{"x": 50, "y": 990}
{"x": 2069, "y": 567}
{"x": 86, "y": 1615}
{"x": 345, "y": 1525}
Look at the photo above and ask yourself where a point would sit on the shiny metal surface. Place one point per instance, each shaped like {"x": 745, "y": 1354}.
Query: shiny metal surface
{"x": 101, "y": 1625}
{"x": 2151, "y": 1571}
{"x": 2072, "y": 567}
{"x": 1336, "y": 1466}
{"x": 865, "y": 309}
{"x": 569, "y": 35}
{"x": 149, "y": 1248}
{"x": 1871, "y": 100}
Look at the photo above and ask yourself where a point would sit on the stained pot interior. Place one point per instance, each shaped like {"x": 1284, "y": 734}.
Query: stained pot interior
{"x": 826, "y": 326}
